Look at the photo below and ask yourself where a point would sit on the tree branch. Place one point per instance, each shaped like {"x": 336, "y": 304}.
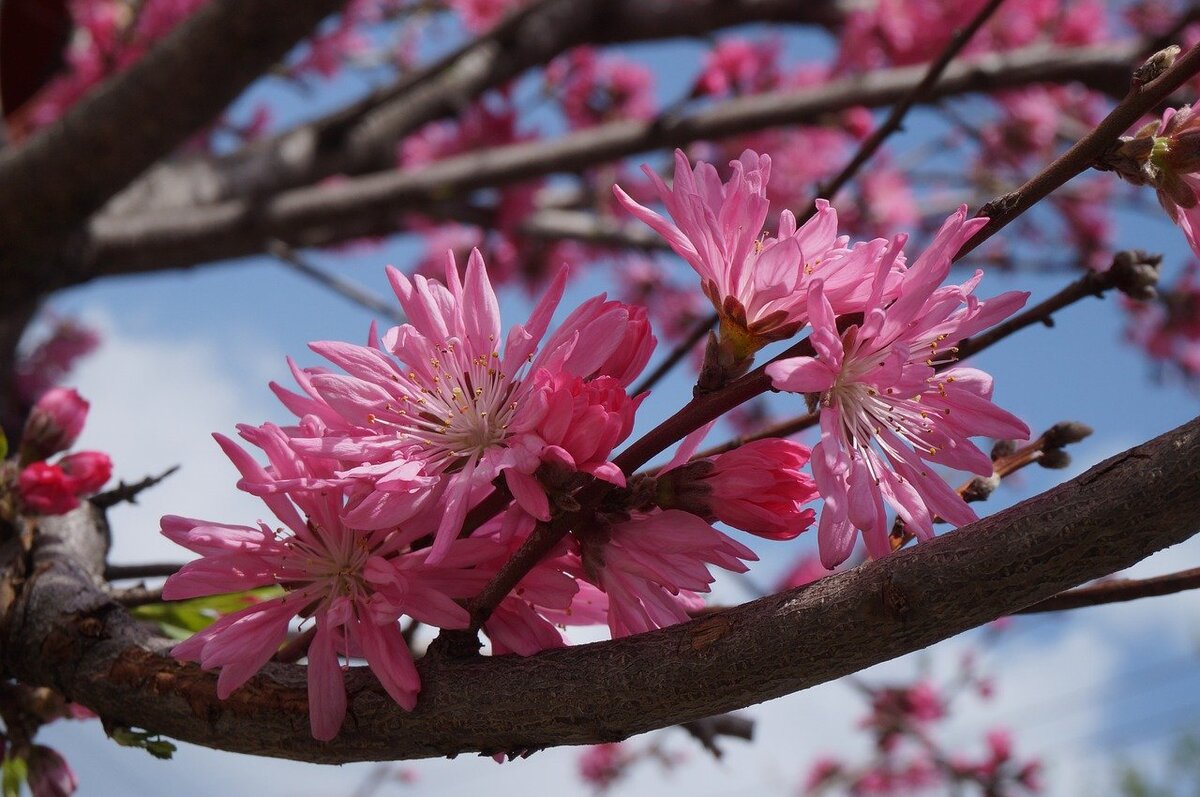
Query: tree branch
{"x": 361, "y": 137}
{"x": 51, "y": 184}
{"x": 362, "y": 206}
{"x": 1117, "y": 591}
{"x": 65, "y": 633}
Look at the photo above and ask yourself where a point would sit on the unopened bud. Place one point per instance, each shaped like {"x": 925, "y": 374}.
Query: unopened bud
{"x": 1066, "y": 432}
{"x": 1054, "y": 459}
{"x": 1155, "y": 65}
{"x": 1003, "y": 448}
{"x": 1135, "y": 273}
{"x": 86, "y": 471}
{"x": 54, "y": 423}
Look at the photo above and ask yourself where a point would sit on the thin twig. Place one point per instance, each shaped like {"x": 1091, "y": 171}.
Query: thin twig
{"x": 709, "y": 730}
{"x": 1140, "y": 100}
{"x": 140, "y": 595}
{"x": 1117, "y": 591}
{"x": 348, "y": 290}
{"x": 129, "y": 492}
{"x": 153, "y": 570}
{"x": 894, "y": 120}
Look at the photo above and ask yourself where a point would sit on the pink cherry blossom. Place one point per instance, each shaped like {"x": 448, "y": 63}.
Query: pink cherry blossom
{"x": 1176, "y": 159}
{"x": 426, "y": 436}
{"x": 597, "y": 87}
{"x": 758, "y": 285}
{"x": 652, "y": 565}
{"x": 50, "y": 362}
{"x": 740, "y": 66}
{"x": 547, "y": 599}
{"x": 352, "y": 585}
{"x": 886, "y": 412}
{"x": 46, "y": 490}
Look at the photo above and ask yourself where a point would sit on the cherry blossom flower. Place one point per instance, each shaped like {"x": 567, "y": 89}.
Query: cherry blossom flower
{"x": 352, "y": 585}
{"x": 886, "y": 412}
{"x": 740, "y": 66}
{"x": 50, "y": 362}
{"x": 758, "y": 285}
{"x": 597, "y": 88}
{"x": 425, "y": 437}
{"x": 1175, "y": 163}
{"x": 652, "y": 566}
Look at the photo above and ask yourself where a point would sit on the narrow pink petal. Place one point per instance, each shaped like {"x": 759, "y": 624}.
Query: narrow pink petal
{"x": 326, "y": 685}
{"x": 529, "y": 493}
{"x": 391, "y": 661}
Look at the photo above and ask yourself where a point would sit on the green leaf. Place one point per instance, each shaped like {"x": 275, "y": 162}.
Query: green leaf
{"x": 152, "y": 743}
{"x": 181, "y": 619}
{"x": 3, "y": 444}
{"x": 13, "y": 773}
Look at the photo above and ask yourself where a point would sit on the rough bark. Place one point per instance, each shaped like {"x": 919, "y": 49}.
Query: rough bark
{"x": 64, "y": 633}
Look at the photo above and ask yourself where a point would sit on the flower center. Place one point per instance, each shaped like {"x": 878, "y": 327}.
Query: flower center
{"x": 460, "y": 408}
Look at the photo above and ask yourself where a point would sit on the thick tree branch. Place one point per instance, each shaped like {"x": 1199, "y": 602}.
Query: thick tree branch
{"x": 361, "y": 137}
{"x": 370, "y": 205}
{"x": 65, "y": 633}
{"x": 51, "y": 184}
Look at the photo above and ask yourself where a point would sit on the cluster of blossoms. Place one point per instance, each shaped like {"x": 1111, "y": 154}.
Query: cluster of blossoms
{"x": 375, "y": 484}
{"x": 54, "y": 423}
{"x": 890, "y": 409}
{"x": 908, "y": 757}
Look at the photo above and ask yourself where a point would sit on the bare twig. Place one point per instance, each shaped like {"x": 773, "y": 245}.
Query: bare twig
{"x": 129, "y": 492}
{"x": 152, "y": 570}
{"x": 1140, "y": 100}
{"x": 708, "y": 731}
{"x": 1116, "y": 591}
{"x": 681, "y": 350}
{"x": 342, "y": 287}
{"x": 896, "y": 117}
{"x": 141, "y": 595}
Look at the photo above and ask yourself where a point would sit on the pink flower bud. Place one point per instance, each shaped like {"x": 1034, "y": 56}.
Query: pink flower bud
{"x": 45, "y": 489}
{"x": 631, "y": 356}
{"x": 54, "y": 423}
{"x": 760, "y": 488}
{"x": 49, "y": 774}
{"x": 584, "y": 421}
{"x": 86, "y": 471}
{"x": 999, "y": 743}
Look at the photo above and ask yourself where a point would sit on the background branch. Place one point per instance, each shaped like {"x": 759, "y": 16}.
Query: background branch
{"x": 370, "y": 205}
